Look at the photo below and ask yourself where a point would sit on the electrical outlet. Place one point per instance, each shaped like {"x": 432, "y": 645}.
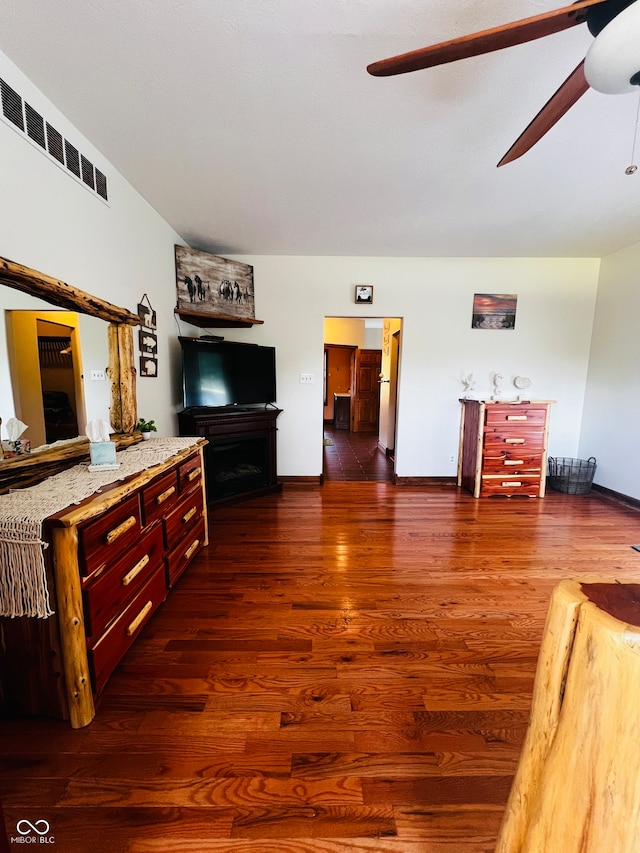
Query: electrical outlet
{"x": 306, "y": 378}
{"x": 452, "y": 459}
{"x": 98, "y": 376}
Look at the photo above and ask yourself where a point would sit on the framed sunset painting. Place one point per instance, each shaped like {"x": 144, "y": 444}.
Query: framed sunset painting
{"x": 494, "y": 311}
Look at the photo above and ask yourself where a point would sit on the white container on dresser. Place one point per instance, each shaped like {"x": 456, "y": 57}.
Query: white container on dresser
{"x": 503, "y": 447}
{"x": 111, "y": 562}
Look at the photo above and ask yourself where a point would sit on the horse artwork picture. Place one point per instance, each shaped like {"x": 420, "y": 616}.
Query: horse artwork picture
{"x": 208, "y": 284}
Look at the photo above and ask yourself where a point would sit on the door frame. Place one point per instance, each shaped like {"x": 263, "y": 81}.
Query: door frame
{"x": 394, "y": 350}
{"x": 25, "y": 370}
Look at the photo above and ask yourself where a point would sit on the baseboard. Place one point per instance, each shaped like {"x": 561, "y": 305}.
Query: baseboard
{"x": 425, "y": 481}
{"x": 616, "y": 496}
{"x": 305, "y": 482}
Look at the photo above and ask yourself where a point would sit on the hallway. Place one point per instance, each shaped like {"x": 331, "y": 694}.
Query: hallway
{"x": 354, "y": 456}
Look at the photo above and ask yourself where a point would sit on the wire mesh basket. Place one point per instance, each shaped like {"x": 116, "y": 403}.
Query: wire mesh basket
{"x": 571, "y": 476}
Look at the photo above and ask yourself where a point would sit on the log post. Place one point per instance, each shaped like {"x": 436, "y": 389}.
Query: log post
{"x": 577, "y": 788}
{"x": 71, "y": 620}
{"x": 127, "y": 379}
{"x": 122, "y": 374}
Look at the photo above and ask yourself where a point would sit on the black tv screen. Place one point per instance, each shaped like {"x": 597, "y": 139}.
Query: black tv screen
{"x": 225, "y": 373}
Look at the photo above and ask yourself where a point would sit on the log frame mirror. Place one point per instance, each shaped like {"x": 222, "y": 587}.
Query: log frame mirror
{"x": 30, "y": 468}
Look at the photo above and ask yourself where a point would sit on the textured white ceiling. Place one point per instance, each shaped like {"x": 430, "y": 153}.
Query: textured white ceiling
{"x": 252, "y": 126}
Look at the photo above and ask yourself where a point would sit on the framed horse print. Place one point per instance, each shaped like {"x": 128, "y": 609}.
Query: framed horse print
{"x": 207, "y": 284}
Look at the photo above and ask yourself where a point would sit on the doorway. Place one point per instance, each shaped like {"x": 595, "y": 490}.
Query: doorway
{"x": 46, "y": 373}
{"x": 361, "y": 370}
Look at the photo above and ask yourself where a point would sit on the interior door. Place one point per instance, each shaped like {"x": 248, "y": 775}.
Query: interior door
{"x": 365, "y": 409}
{"x": 338, "y": 375}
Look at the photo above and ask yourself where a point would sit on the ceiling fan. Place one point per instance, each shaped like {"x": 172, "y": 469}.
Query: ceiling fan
{"x": 612, "y": 64}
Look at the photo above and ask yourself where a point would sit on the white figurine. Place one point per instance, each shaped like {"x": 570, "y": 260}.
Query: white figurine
{"x": 497, "y": 386}
{"x": 469, "y": 383}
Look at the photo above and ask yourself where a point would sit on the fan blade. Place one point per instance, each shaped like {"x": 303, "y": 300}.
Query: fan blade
{"x": 561, "y": 102}
{"x": 507, "y": 35}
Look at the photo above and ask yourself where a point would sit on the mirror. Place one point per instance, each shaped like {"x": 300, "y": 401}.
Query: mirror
{"x": 21, "y": 470}
{"x": 47, "y": 359}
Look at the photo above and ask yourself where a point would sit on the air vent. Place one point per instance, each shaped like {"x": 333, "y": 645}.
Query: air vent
{"x": 55, "y": 145}
{"x": 11, "y": 105}
{"x": 23, "y": 116}
{"x": 35, "y": 125}
{"x": 73, "y": 158}
{"x": 87, "y": 172}
{"x": 101, "y": 184}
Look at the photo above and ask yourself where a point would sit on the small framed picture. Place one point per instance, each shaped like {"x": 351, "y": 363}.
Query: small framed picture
{"x": 147, "y": 315}
{"x": 148, "y": 366}
{"x": 364, "y": 293}
{"x": 148, "y": 343}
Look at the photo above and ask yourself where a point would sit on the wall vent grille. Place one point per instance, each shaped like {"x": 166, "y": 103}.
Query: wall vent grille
{"x": 87, "y": 172}
{"x": 72, "y": 157}
{"x": 11, "y": 105}
{"x": 22, "y": 116}
{"x": 55, "y": 144}
{"x": 35, "y": 126}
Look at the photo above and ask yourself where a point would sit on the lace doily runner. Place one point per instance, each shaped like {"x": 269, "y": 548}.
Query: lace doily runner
{"x": 23, "y": 579}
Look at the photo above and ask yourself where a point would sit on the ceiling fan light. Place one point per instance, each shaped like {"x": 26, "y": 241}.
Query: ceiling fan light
{"x": 614, "y": 57}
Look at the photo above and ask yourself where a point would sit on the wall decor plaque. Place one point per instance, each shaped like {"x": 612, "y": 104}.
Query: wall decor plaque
{"x": 210, "y": 285}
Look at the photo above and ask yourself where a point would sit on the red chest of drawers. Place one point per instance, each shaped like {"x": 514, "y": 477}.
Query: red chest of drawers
{"x": 503, "y": 447}
{"x": 111, "y": 563}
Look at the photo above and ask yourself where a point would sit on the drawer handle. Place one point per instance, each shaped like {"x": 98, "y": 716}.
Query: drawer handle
{"x": 513, "y": 462}
{"x": 117, "y": 532}
{"x": 193, "y": 475}
{"x": 516, "y": 417}
{"x": 514, "y": 441}
{"x": 165, "y": 495}
{"x": 191, "y": 549}
{"x": 189, "y": 515}
{"x": 135, "y": 571}
{"x": 133, "y": 627}
{"x": 511, "y": 483}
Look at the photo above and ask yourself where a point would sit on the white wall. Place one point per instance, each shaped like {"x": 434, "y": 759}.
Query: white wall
{"x": 550, "y": 343}
{"x": 612, "y": 403}
{"x": 118, "y": 251}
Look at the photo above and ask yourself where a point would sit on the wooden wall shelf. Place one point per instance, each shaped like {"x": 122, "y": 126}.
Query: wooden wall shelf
{"x": 217, "y": 321}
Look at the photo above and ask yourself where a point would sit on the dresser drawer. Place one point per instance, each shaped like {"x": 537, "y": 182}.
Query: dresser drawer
{"x": 181, "y": 556}
{"x": 522, "y": 439}
{"x": 104, "y": 540}
{"x": 527, "y": 484}
{"x": 515, "y": 415}
{"x": 183, "y": 518}
{"x": 106, "y": 595}
{"x": 510, "y": 462}
{"x": 105, "y": 655}
{"x": 159, "y": 496}
{"x": 190, "y": 474}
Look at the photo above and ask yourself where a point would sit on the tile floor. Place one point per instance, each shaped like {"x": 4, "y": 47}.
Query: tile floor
{"x": 355, "y": 456}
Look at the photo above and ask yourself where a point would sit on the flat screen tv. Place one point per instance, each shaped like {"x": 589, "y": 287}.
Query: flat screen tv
{"x": 225, "y": 373}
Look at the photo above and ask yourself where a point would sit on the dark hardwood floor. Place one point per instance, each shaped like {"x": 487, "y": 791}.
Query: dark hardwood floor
{"x": 346, "y": 668}
{"x": 354, "y": 456}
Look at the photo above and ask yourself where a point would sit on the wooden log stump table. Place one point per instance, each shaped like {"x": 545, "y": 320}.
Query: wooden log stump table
{"x": 577, "y": 788}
